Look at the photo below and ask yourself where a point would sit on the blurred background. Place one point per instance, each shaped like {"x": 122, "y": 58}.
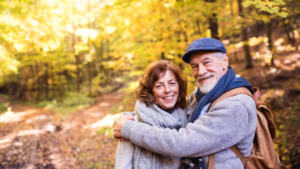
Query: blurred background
{"x": 68, "y": 68}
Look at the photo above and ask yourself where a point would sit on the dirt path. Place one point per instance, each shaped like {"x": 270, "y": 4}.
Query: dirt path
{"x": 36, "y": 138}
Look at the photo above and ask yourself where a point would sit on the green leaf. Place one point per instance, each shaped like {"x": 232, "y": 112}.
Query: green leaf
{"x": 247, "y": 3}
{"x": 279, "y": 2}
{"x": 136, "y": 73}
{"x": 265, "y": 8}
{"x": 258, "y": 6}
{"x": 283, "y": 14}
{"x": 274, "y": 10}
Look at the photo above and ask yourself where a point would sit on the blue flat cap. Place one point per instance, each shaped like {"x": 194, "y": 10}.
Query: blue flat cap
{"x": 203, "y": 44}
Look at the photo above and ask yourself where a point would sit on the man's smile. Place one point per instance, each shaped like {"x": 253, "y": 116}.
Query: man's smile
{"x": 206, "y": 78}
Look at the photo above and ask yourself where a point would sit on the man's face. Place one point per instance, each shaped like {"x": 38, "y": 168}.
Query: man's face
{"x": 208, "y": 69}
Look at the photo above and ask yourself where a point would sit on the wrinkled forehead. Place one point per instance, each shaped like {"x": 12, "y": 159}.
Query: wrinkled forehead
{"x": 198, "y": 54}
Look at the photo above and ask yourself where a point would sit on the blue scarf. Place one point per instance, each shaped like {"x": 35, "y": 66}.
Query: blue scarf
{"x": 226, "y": 83}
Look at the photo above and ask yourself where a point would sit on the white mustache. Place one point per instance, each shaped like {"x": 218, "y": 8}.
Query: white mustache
{"x": 205, "y": 76}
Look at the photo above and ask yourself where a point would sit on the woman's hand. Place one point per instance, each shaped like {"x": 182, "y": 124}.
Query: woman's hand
{"x": 119, "y": 124}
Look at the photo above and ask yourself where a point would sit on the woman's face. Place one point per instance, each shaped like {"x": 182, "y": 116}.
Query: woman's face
{"x": 166, "y": 90}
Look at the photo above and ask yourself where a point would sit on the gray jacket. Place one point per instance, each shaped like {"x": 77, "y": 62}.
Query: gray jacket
{"x": 231, "y": 121}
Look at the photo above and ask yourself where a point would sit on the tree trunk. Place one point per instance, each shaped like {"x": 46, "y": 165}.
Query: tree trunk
{"x": 62, "y": 88}
{"x": 90, "y": 77}
{"x": 77, "y": 72}
{"x": 21, "y": 87}
{"x": 162, "y": 55}
{"x": 213, "y": 23}
{"x": 51, "y": 88}
{"x": 246, "y": 49}
{"x": 288, "y": 30}
{"x": 233, "y": 35}
{"x": 99, "y": 55}
{"x": 198, "y": 27}
{"x": 90, "y": 71}
{"x": 245, "y": 39}
{"x": 213, "y": 26}
{"x": 37, "y": 82}
{"x": 181, "y": 65}
{"x": 74, "y": 53}
{"x": 84, "y": 78}
{"x": 235, "y": 53}
{"x": 46, "y": 81}
{"x": 33, "y": 85}
{"x": 270, "y": 40}
{"x": 256, "y": 34}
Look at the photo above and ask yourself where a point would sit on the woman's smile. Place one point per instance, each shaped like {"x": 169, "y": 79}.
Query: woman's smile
{"x": 168, "y": 97}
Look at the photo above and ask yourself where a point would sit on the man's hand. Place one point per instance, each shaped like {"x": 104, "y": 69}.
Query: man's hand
{"x": 118, "y": 125}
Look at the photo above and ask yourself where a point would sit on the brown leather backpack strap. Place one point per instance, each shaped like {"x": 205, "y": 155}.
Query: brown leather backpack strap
{"x": 211, "y": 161}
{"x": 256, "y": 93}
{"x": 233, "y": 92}
{"x": 211, "y": 157}
{"x": 239, "y": 154}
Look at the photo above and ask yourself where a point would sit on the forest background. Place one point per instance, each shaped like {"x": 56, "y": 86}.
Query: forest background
{"x": 69, "y": 68}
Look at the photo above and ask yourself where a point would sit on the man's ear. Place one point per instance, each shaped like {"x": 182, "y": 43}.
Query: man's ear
{"x": 225, "y": 61}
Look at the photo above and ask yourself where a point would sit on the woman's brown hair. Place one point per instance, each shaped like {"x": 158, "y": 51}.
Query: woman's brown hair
{"x": 152, "y": 74}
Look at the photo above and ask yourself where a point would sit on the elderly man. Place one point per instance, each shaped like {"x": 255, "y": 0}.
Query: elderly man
{"x": 211, "y": 130}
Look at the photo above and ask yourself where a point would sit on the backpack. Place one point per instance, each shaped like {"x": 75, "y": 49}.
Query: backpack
{"x": 263, "y": 153}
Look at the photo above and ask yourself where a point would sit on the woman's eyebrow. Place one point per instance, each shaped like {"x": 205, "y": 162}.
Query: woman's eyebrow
{"x": 158, "y": 83}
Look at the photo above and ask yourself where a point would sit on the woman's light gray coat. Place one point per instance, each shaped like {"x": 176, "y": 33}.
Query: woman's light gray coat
{"x": 131, "y": 156}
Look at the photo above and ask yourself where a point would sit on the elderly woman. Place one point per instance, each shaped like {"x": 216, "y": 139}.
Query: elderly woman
{"x": 161, "y": 102}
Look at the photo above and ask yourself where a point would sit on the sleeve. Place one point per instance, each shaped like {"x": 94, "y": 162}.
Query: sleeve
{"x": 131, "y": 113}
{"x": 125, "y": 150}
{"x": 225, "y": 125}
{"x": 124, "y": 155}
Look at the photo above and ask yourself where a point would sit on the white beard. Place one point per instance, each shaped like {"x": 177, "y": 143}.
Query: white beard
{"x": 208, "y": 86}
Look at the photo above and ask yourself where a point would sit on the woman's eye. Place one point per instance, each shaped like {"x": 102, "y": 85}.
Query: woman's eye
{"x": 158, "y": 86}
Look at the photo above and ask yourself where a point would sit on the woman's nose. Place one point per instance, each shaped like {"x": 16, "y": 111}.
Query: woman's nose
{"x": 166, "y": 89}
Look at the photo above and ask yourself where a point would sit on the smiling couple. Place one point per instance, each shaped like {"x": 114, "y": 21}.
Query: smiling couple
{"x": 169, "y": 131}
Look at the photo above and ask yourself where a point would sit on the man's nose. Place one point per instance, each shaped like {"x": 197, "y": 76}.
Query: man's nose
{"x": 202, "y": 70}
